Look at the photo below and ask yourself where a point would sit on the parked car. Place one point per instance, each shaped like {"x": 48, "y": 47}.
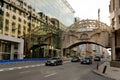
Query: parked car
{"x": 75, "y": 59}
{"x": 86, "y": 61}
{"x": 97, "y": 58}
{"x": 54, "y": 61}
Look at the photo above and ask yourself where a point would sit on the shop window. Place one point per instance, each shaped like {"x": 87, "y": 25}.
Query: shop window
{"x": 16, "y": 46}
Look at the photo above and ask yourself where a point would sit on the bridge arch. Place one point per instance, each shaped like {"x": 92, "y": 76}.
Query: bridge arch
{"x": 85, "y": 42}
{"x": 91, "y": 31}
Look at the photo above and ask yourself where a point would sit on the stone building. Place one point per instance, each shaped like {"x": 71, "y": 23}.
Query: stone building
{"x": 25, "y": 27}
{"x": 114, "y": 9}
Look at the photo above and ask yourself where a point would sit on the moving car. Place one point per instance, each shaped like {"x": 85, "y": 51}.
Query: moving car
{"x": 86, "y": 61}
{"x": 75, "y": 59}
{"x": 54, "y": 61}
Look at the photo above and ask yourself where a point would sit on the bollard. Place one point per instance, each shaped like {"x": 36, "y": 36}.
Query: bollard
{"x": 97, "y": 66}
{"x": 105, "y": 67}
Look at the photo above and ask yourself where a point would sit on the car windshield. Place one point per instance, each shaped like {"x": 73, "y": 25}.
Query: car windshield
{"x": 53, "y": 58}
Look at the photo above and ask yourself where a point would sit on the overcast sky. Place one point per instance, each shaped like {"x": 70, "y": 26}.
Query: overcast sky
{"x": 88, "y": 9}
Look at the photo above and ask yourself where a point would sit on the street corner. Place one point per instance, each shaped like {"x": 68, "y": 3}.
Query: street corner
{"x": 102, "y": 74}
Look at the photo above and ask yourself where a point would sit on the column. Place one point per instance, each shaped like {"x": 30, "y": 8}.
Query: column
{"x": 12, "y": 52}
{"x": 20, "y": 50}
{"x": 113, "y": 46}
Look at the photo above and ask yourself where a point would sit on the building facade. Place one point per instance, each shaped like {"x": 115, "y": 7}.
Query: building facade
{"x": 21, "y": 22}
{"x": 59, "y": 9}
{"x": 114, "y": 9}
{"x": 10, "y": 46}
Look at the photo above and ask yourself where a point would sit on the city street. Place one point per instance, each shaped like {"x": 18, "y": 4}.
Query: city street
{"x": 38, "y": 71}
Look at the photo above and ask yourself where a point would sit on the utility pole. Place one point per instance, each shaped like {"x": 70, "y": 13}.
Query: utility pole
{"x": 98, "y": 25}
{"x": 99, "y": 14}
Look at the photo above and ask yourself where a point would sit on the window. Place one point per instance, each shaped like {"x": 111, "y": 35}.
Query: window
{"x": 13, "y": 27}
{"x": 113, "y": 4}
{"x": 14, "y": 10}
{"x": 19, "y": 19}
{"x": 0, "y": 3}
{"x": 113, "y": 22}
{"x": 25, "y": 4}
{"x": 6, "y": 25}
{"x": 119, "y": 3}
{"x": 7, "y": 14}
{"x": 15, "y": 46}
{"x": 20, "y": 13}
{"x": 7, "y": 6}
{"x": 24, "y": 21}
{"x": 33, "y": 25}
{"x": 24, "y": 15}
{"x": 119, "y": 19}
{"x": 19, "y": 28}
{"x": 84, "y": 36}
{"x": 14, "y": 17}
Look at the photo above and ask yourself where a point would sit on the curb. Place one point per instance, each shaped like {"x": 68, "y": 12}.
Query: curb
{"x": 104, "y": 75}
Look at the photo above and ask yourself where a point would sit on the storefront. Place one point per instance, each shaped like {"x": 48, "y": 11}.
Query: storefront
{"x": 11, "y": 48}
{"x": 44, "y": 50}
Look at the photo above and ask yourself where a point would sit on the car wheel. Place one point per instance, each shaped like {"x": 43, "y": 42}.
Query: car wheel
{"x": 61, "y": 63}
{"x": 46, "y": 64}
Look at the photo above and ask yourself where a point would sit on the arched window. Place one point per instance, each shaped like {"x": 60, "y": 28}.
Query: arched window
{"x": 84, "y": 36}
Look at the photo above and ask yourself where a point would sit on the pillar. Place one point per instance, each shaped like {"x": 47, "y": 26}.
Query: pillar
{"x": 12, "y": 52}
{"x": 113, "y": 46}
{"x": 20, "y": 50}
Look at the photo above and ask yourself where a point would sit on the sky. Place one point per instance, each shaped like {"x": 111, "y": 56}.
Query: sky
{"x": 88, "y": 9}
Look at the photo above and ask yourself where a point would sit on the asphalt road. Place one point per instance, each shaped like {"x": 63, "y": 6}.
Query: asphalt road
{"x": 38, "y": 71}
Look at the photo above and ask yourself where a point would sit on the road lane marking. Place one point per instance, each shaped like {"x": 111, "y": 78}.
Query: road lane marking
{"x": 1, "y": 70}
{"x": 50, "y": 75}
{"x": 26, "y": 71}
{"x": 21, "y": 67}
{"x": 15, "y": 68}
{"x": 26, "y": 67}
{"x": 11, "y": 68}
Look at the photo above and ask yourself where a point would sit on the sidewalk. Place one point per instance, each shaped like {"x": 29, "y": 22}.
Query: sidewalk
{"x": 111, "y": 72}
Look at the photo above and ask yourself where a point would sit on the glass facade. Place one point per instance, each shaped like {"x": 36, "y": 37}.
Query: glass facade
{"x": 55, "y": 9}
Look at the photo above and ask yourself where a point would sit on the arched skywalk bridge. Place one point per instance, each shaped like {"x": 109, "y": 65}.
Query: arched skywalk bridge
{"x": 86, "y": 31}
